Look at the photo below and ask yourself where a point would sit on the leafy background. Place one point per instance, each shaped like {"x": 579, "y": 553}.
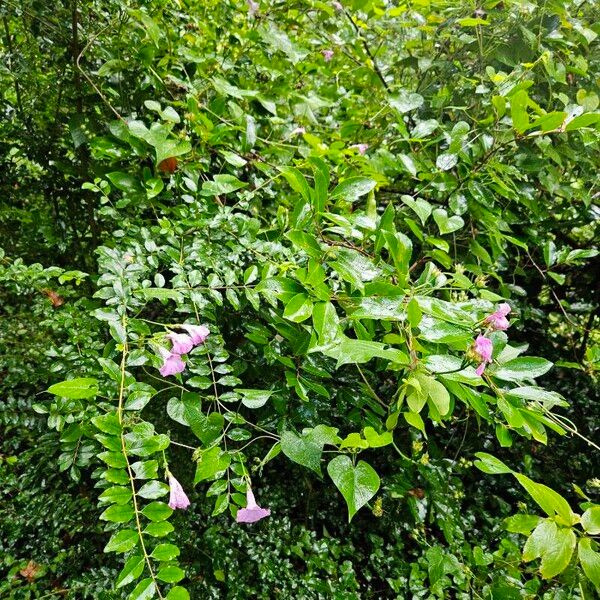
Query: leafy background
{"x": 482, "y": 129}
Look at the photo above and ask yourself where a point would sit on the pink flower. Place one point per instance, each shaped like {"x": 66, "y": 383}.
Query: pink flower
{"x": 337, "y": 5}
{"x": 298, "y": 131}
{"x": 198, "y": 333}
{"x": 182, "y": 343}
{"x": 172, "y": 363}
{"x": 327, "y": 54}
{"x": 252, "y": 7}
{"x": 253, "y": 512}
{"x": 497, "y": 320}
{"x": 362, "y": 148}
{"x": 483, "y": 348}
{"x": 177, "y": 497}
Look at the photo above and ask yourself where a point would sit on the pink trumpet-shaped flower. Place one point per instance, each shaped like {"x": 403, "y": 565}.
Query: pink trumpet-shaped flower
{"x": 337, "y": 5}
{"x": 253, "y": 512}
{"x": 362, "y": 148}
{"x": 172, "y": 363}
{"x": 483, "y": 348}
{"x": 327, "y": 54}
{"x": 177, "y": 497}
{"x": 182, "y": 343}
{"x": 497, "y": 320}
{"x": 198, "y": 333}
{"x": 298, "y": 131}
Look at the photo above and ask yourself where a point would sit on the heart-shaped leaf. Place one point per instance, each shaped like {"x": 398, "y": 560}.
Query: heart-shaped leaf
{"x": 358, "y": 484}
{"x": 420, "y": 206}
{"x": 302, "y": 450}
{"x": 447, "y": 224}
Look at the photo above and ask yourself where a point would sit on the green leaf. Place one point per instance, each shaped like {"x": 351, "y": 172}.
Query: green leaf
{"x": 153, "y": 489}
{"x": 165, "y": 552}
{"x": 162, "y": 294}
{"x": 377, "y": 440}
{"x": 590, "y": 520}
{"x": 406, "y": 101}
{"x": 302, "y": 450}
{"x": 117, "y": 494}
{"x": 254, "y": 398}
{"x": 445, "y": 162}
{"x": 178, "y": 593}
{"x": 221, "y": 504}
{"x": 527, "y": 367}
{"x": 188, "y": 411}
{"x": 297, "y": 181}
{"x": 108, "y": 423}
{"x": 122, "y": 541}
{"x": 227, "y": 89}
{"x": 75, "y": 389}
{"x": 131, "y": 571}
{"x": 379, "y": 308}
{"x": 170, "y": 148}
{"x": 357, "y": 484}
{"x": 159, "y": 529}
{"x": 548, "y": 122}
{"x": 400, "y": 247}
{"x": 584, "y": 120}
{"x": 439, "y": 395}
{"x": 349, "y": 350}
{"x": 548, "y": 399}
{"x": 408, "y": 163}
{"x": 147, "y": 469}
{"x": 278, "y": 40}
{"x": 521, "y": 523}
{"x": 326, "y": 323}
{"x": 580, "y": 254}
{"x": 590, "y": 560}
{"x": 353, "y": 188}
{"x": 447, "y": 224}
{"x": 157, "y": 511}
{"x": 298, "y": 309}
{"x": 490, "y": 464}
{"x": 415, "y": 420}
{"x": 213, "y": 463}
{"x": 354, "y": 440}
{"x": 518, "y": 110}
{"x": 123, "y": 181}
{"x": 144, "y": 590}
{"x": 118, "y": 513}
{"x": 421, "y": 207}
{"x": 553, "y": 544}
{"x": 170, "y": 574}
{"x": 550, "y": 501}
{"x": 221, "y": 184}
{"x": 443, "y": 363}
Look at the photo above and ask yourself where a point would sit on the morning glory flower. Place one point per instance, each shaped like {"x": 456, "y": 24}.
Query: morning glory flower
{"x": 198, "y": 333}
{"x": 362, "y": 148}
{"x": 337, "y": 5}
{"x": 182, "y": 343}
{"x": 298, "y": 131}
{"x": 253, "y": 512}
{"x": 177, "y": 497}
{"x": 327, "y": 54}
{"x": 172, "y": 363}
{"x": 497, "y": 320}
{"x": 252, "y": 7}
{"x": 483, "y": 348}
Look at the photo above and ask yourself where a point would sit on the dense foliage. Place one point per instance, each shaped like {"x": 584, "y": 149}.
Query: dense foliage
{"x": 323, "y": 252}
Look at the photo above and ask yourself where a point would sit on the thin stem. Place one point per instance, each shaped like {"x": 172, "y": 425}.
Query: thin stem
{"x": 127, "y": 463}
{"x": 371, "y": 390}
